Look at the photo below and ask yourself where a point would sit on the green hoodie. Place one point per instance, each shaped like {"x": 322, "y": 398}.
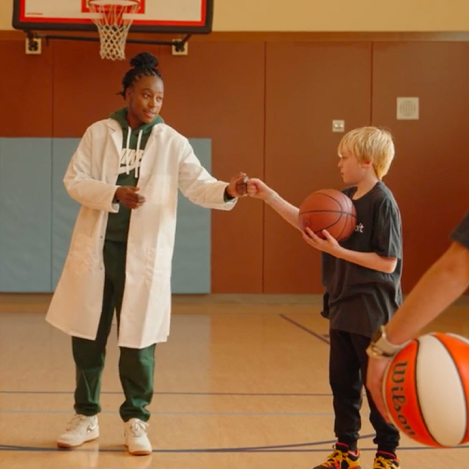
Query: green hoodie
{"x": 118, "y": 223}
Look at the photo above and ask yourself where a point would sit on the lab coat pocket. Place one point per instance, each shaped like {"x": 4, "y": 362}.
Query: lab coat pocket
{"x": 81, "y": 258}
{"x": 150, "y": 265}
{"x": 157, "y": 266}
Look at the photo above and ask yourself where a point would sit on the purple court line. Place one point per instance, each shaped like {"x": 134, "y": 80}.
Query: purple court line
{"x": 320, "y": 337}
{"x": 182, "y": 393}
{"x": 194, "y": 450}
{"x": 301, "y": 448}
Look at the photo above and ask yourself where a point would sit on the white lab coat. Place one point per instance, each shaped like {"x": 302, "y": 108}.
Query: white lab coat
{"x": 168, "y": 163}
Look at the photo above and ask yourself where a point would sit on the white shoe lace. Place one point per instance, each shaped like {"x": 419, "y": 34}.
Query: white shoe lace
{"x": 76, "y": 422}
{"x": 138, "y": 428}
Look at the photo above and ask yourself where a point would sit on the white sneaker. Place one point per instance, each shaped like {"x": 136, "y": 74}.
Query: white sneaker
{"x": 136, "y": 438}
{"x": 79, "y": 430}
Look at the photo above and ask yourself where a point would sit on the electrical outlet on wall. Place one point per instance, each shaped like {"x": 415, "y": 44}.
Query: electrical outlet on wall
{"x": 338, "y": 126}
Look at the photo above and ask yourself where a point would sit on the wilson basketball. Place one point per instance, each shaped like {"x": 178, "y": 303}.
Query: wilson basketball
{"x": 331, "y": 210}
{"x": 426, "y": 390}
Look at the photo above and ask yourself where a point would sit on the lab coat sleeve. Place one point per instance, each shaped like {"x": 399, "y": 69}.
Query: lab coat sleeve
{"x": 80, "y": 184}
{"x": 198, "y": 185}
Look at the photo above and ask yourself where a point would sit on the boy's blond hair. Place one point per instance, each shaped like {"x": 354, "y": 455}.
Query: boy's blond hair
{"x": 370, "y": 144}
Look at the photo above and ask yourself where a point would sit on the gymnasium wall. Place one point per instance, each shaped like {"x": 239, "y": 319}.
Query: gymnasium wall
{"x": 267, "y": 104}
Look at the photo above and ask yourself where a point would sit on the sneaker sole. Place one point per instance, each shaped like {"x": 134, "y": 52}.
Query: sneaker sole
{"x": 141, "y": 452}
{"x": 64, "y": 444}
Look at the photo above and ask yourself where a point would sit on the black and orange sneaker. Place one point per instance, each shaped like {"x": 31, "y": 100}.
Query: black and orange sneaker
{"x": 386, "y": 461}
{"x": 341, "y": 458}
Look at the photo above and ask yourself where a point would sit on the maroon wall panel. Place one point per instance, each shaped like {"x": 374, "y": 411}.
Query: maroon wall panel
{"x": 26, "y": 84}
{"x": 430, "y": 174}
{"x": 308, "y": 85}
{"x": 217, "y": 92}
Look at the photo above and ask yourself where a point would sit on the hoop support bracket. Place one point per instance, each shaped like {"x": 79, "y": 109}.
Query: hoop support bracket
{"x": 177, "y": 43}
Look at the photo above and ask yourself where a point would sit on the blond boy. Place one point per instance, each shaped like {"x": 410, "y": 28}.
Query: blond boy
{"x": 361, "y": 277}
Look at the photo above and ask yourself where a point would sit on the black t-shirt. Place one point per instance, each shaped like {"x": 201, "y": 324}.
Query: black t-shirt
{"x": 358, "y": 299}
{"x": 461, "y": 232}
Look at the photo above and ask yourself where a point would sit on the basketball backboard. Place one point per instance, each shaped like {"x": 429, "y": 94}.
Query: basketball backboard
{"x": 152, "y": 16}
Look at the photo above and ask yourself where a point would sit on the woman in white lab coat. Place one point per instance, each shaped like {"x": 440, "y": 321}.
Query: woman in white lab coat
{"x": 126, "y": 173}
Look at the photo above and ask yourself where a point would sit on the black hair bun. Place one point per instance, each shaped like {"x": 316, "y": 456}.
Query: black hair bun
{"x": 144, "y": 59}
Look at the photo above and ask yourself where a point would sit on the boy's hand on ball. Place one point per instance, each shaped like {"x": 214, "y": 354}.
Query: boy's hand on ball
{"x": 328, "y": 245}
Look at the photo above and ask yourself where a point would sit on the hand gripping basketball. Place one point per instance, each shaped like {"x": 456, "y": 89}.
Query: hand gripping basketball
{"x": 330, "y": 210}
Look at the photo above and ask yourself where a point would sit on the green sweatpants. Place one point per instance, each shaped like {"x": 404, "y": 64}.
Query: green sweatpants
{"x": 136, "y": 366}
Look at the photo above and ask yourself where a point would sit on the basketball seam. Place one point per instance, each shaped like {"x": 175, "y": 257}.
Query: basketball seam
{"x": 337, "y": 221}
{"x": 327, "y": 211}
{"x": 460, "y": 380}
{"x": 347, "y": 215}
{"x": 343, "y": 228}
{"x": 417, "y": 394}
{"x": 354, "y": 221}
{"x": 332, "y": 198}
{"x": 329, "y": 226}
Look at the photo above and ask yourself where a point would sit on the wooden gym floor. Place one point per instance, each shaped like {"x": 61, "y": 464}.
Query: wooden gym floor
{"x": 241, "y": 384}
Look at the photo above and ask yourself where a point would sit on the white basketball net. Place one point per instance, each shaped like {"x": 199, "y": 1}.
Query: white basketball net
{"x": 113, "y": 20}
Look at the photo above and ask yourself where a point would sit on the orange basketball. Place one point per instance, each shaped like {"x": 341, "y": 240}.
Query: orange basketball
{"x": 331, "y": 210}
{"x": 426, "y": 390}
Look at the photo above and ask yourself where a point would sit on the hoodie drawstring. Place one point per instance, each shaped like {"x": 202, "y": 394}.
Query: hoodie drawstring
{"x": 137, "y": 153}
{"x": 127, "y": 151}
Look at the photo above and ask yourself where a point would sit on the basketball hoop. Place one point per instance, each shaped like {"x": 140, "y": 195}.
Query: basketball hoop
{"x": 113, "y": 19}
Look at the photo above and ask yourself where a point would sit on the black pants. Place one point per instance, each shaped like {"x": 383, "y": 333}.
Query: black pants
{"x": 347, "y": 372}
